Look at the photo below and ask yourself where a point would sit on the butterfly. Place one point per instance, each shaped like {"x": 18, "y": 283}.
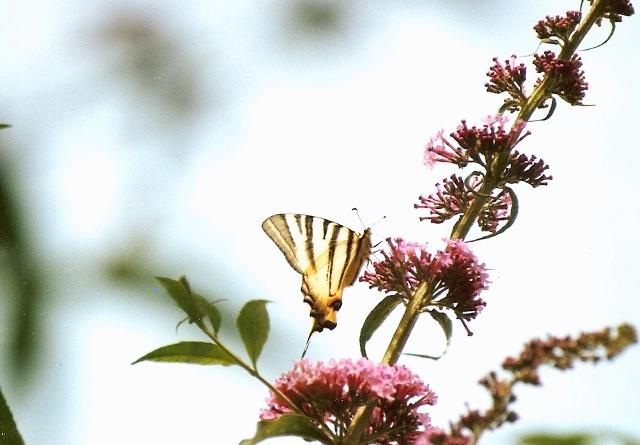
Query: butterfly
{"x": 329, "y": 257}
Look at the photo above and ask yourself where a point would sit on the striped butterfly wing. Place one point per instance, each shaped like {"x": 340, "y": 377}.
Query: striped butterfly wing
{"x": 327, "y": 255}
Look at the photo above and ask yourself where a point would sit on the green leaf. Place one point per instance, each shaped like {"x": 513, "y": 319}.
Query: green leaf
{"x": 287, "y": 425}
{"x": 447, "y": 328}
{"x": 253, "y": 325}
{"x": 195, "y": 352}
{"x": 195, "y": 306}
{"x": 3, "y": 126}
{"x": 375, "y": 318}
{"x": 445, "y": 323}
{"x": 180, "y": 292}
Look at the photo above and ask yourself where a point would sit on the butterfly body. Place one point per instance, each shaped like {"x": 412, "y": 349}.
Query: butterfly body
{"x": 329, "y": 257}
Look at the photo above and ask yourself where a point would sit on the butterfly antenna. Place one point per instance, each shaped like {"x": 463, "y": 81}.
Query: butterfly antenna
{"x": 379, "y": 219}
{"x": 355, "y": 209}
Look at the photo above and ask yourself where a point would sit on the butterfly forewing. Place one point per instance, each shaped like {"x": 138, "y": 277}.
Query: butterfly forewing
{"x": 328, "y": 255}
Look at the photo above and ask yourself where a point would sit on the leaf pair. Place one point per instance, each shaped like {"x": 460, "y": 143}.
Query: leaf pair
{"x": 252, "y": 324}
{"x": 195, "y": 306}
{"x": 380, "y": 313}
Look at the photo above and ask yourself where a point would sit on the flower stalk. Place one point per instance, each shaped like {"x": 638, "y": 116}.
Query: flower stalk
{"x": 492, "y": 180}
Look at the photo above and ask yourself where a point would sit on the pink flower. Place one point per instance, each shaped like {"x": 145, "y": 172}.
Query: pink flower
{"x": 523, "y": 168}
{"x": 436, "y": 436}
{"x": 494, "y": 212}
{"x": 440, "y": 149}
{"x": 331, "y": 393}
{"x": 473, "y": 145}
{"x": 450, "y": 199}
{"x": 456, "y": 276}
{"x": 560, "y": 28}
{"x": 566, "y": 77}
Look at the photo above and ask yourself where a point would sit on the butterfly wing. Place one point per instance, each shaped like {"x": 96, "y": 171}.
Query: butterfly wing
{"x": 328, "y": 255}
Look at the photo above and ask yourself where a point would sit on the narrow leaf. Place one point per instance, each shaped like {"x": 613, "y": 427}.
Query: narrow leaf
{"x": 253, "y": 325}
{"x": 430, "y": 357}
{"x": 194, "y": 352}
{"x": 445, "y": 323}
{"x": 287, "y": 425}
{"x": 447, "y": 328}
{"x": 375, "y": 318}
{"x": 3, "y": 126}
{"x": 513, "y": 214}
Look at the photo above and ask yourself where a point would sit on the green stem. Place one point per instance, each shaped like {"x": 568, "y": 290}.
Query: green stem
{"x": 396, "y": 345}
{"x": 460, "y": 231}
{"x": 463, "y": 226}
{"x": 408, "y": 321}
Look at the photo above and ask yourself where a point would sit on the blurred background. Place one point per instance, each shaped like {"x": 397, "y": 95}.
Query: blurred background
{"x": 153, "y": 138}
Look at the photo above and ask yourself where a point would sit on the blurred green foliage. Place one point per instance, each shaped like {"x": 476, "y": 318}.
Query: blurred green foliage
{"x": 582, "y": 438}
{"x": 22, "y": 269}
{"x": 9, "y": 434}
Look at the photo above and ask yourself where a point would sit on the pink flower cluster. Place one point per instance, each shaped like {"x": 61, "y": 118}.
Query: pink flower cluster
{"x": 615, "y": 9}
{"x": 480, "y": 145}
{"x": 523, "y": 168}
{"x": 496, "y": 211}
{"x": 557, "y": 27}
{"x": 331, "y": 393}
{"x": 508, "y": 78}
{"x": 474, "y": 144}
{"x": 565, "y": 76}
{"x": 455, "y": 196}
{"x": 456, "y": 276}
{"x": 450, "y": 199}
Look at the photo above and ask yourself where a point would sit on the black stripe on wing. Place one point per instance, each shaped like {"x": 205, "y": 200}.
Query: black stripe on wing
{"x": 278, "y": 229}
{"x": 331, "y": 252}
{"x": 308, "y": 241}
{"x": 349, "y": 253}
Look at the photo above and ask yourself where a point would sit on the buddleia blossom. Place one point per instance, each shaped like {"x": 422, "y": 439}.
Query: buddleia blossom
{"x": 440, "y": 149}
{"x": 330, "y": 394}
{"x": 508, "y": 78}
{"x": 526, "y": 169}
{"x": 454, "y": 196}
{"x": 474, "y": 144}
{"x": 561, "y": 28}
{"x": 562, "y": 352}
{"x": 483, "y": 144}
{"x": 480, "y": 145}
{"x": 566, "y": 79}
{"x": 436, "y": 436}
{"x": 456, "y": 277}
{"x": 559, "y": 352}
{"x": 496, "y": 210}
{"x": 615, "y": 9}
{"x": 451, "y": 198}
